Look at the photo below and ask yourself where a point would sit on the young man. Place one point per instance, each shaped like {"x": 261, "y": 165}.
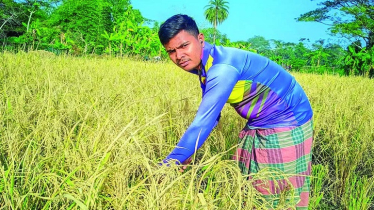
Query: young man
{"x": 279, "y": 129}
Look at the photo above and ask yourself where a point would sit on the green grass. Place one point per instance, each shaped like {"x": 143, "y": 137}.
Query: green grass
{"x": 87, "y": 133}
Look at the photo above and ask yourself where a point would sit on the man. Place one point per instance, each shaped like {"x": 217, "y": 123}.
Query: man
{"x": 279, "y": 129}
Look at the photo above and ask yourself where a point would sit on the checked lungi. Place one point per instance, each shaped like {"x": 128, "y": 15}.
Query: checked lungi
{"x": 286, "y": 150}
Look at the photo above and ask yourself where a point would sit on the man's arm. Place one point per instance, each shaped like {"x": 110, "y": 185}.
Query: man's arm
{"x": 221, "y": 79}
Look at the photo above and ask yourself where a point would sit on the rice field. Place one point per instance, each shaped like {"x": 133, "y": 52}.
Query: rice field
{"x": 87, "y": 133}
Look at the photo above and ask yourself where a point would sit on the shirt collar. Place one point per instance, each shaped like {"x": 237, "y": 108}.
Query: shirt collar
{"x": 206, "y": 52}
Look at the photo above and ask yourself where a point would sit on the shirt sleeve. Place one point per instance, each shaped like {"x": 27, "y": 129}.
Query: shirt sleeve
{"x": 220, "y": 81}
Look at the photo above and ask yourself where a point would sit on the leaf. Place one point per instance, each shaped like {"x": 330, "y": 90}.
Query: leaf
{"x": 77, "y": 201}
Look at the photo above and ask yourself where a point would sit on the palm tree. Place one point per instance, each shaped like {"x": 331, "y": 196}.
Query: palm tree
{"x": 216, "y": 12}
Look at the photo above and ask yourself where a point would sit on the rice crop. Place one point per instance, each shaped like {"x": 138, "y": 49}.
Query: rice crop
{"x": 89, "y": 132}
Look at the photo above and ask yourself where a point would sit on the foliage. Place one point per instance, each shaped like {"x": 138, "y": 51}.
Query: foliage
{"x": 118, "y": 8}
{"x": 10, "y": 23}
{"x": 359, "y": 61}
{"x": 349, "y": 17}
{"x": 114, "y": 28}
{"x": 353, "y": 19}
{"x": 318, "y": 180}
{"x": 319, "y": 57}
{"x": 16, "y": 16}
{"x": 260, "y": 43}
{"x": 241, "y": 45}
{"x": 132, "y": 38}
{"x": 212, "y": 35}
{"x": 82, "y": 22}
{"x": 79, "y": 27}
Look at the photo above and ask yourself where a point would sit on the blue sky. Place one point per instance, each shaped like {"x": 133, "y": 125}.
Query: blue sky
{"x": 272, "y": 19}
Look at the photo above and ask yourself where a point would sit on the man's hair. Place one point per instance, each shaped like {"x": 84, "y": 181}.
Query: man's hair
{"x": 175, "y": 24}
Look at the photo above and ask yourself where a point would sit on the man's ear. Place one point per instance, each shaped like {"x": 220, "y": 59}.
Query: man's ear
{"x": 200, "y": 37}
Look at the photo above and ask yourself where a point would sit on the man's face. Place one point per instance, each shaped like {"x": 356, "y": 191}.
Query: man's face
{"x": 185, "y": 50}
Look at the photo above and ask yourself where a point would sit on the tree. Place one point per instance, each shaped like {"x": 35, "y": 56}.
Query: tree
{"x": 336, "y": 57}
{"x": 131, "y": 37}
{"x": 260, "y": 44}
{"x": 83, "y": 21}
{"x": 353, "y": 19}
{"x": 216, "y": 12}
{"x": 299, "y": 59}
{"x": 210, "y": 34}
{"x": 118, "y": 7}
{"x": 318, "y": 56}
{"x": 10, "y": 22}
{"x": 19, "y": 20}
{"x": 359, "y": 60}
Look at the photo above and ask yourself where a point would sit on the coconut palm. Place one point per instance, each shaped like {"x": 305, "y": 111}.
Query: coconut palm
{"x": 216, "y": 12}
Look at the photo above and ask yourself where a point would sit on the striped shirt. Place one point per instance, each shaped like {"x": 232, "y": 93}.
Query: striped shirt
{"x": 260, "y": 90}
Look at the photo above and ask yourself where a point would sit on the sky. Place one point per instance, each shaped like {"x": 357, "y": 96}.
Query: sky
{"x": 272, "y": 19}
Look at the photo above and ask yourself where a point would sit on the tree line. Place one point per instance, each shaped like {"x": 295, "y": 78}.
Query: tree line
{"x": 115, "y": 28}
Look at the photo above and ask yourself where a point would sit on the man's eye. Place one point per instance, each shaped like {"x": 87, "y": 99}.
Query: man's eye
{"x": 185, "y": 45}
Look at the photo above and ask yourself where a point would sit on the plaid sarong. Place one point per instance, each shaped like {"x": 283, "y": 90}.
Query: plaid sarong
{"x": 286, "y": 150}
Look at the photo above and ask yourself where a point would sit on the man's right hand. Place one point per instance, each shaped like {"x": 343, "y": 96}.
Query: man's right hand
{"x": 184, "y": 164}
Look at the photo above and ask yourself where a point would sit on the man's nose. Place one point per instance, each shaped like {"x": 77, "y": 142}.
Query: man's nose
{"x": 179, "y": 54}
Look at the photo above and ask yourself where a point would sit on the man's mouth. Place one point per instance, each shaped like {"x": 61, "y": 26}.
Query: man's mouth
{"x": 183, "y": 63}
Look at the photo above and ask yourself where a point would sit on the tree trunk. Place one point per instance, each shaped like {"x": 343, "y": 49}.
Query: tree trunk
{"x": 28, "y": 22}
{"x": 215, "y": 27}
{"x": 110, "y": 49}
{"x": 6, "y": 21}
{"x": 370, "y": 42}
